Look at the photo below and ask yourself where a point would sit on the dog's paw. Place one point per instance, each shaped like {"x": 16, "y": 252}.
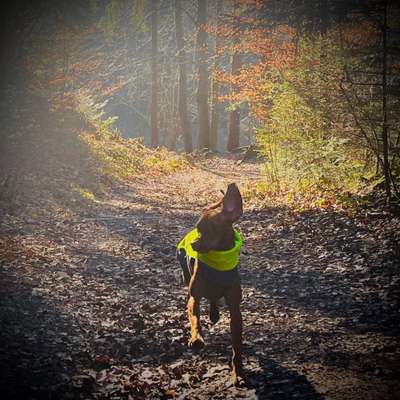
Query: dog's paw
{"x": 238, "y": 378}
{"x": 197, "y": 344}
{"x": 237, "y": 374}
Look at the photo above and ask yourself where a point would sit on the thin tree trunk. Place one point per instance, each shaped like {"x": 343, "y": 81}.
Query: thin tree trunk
{"x": 182, "y": 90}
{"x": 386, "y": 167}
{"x": 215, "y": 110}
{"x": 202, "y": 90}
{"x": 324, "y": 15}
{"x": 234, "y": 116}
{"x": 234, "y": 130}
{"x": 154, "y": 75}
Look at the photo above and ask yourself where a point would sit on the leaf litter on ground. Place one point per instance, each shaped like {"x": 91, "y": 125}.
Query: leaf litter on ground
{"x": 92, "y": 305}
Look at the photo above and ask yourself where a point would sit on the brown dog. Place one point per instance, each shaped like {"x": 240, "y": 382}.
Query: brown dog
{"x": 212, "y": 272}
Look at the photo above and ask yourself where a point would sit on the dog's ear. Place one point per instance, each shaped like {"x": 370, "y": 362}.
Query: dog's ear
{"x": 214, "y": 205}
{"x": 232, "y": 203}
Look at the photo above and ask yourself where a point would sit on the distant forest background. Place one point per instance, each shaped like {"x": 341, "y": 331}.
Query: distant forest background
{"x": 313, "y": 85}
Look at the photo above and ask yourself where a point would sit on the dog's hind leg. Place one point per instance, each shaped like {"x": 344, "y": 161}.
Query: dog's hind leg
{"x": 233, "y": 300}
{"x": 196, "y": 341}
{"x": 214, "y": 312}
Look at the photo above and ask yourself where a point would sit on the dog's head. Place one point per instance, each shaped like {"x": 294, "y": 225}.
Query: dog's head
{"x": 215, "y": 223}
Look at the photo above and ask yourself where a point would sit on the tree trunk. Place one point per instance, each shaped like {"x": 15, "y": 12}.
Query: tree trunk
{"x": 324, "y": 16}
{"x": 154, "y": 75}
{"x": 234, "y": 116}
{"x": 8, "y": 55}
{"x": 234, "y": 130}
{"x": 215, "y": 110}
{"x": 386, "y": 166}
{"x": 202, "y": 90}
{"x": 182, "y": 90}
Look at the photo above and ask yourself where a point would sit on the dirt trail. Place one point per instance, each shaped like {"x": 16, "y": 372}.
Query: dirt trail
{"x": 92, "y": 307}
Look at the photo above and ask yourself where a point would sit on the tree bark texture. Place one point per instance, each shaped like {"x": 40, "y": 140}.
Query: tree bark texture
{"x": 154, "y": 75}
{"x": 182, "y": 84}
{"x": 202, "y": 90}
{"x": 386, "y": 166}
{"x": 215, "y": 108}
{"x": 234, "y": 115}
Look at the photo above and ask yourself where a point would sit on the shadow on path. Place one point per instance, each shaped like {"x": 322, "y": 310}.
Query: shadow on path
{"x": 39, "y": 348}
{"x": 323, "y": 263}
{"x": 279, "y": 383}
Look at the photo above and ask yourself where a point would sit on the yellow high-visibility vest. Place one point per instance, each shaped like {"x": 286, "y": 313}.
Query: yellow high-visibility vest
{"x": 220, "y": 260}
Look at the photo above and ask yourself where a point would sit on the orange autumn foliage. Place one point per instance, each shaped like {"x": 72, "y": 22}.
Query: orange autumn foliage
{"x": 270, "y": 48}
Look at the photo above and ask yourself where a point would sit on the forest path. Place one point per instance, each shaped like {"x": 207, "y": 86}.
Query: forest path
{"x": 93, "y": 305}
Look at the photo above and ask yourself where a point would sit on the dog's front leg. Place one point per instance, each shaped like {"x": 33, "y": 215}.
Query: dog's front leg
{"x": 196, "y": 341}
